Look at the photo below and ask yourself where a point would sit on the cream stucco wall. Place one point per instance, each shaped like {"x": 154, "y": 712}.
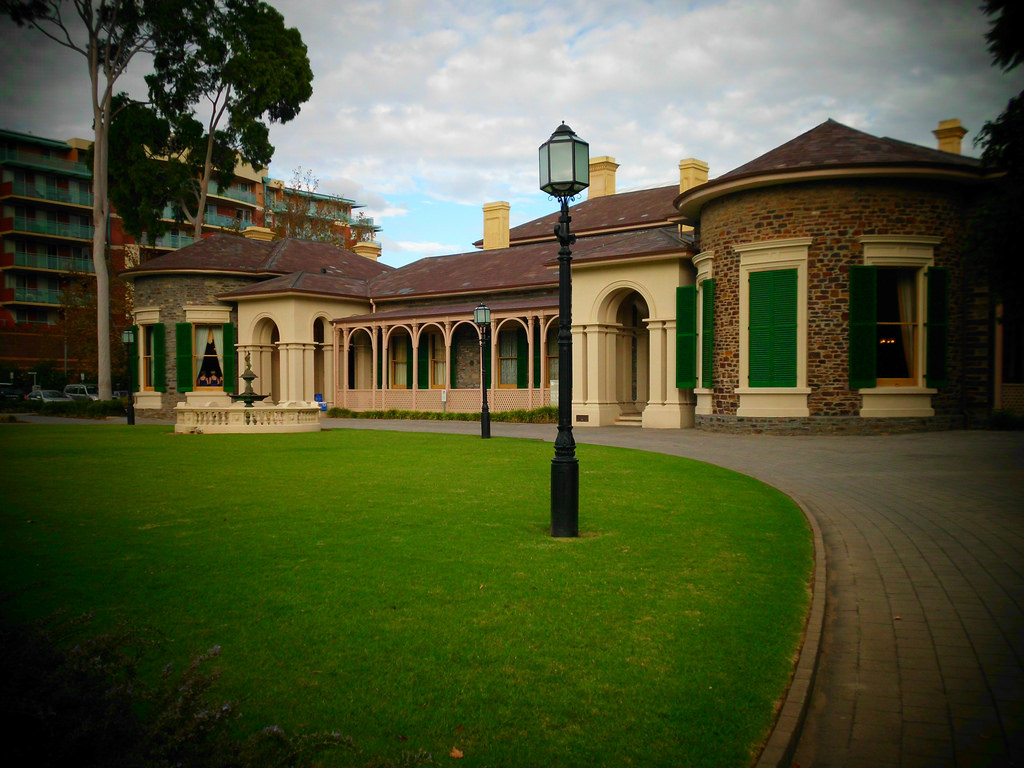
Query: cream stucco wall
{"x": 602, "y": 364}
{"x": 294, "y": 367}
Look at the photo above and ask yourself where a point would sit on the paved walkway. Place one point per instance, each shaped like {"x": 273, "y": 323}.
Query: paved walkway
{"x": 921, "y": 631}
{"x": 922, "y": 650}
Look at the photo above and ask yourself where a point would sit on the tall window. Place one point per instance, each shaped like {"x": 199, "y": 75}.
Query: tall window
{"x": 209, "y": 356}
{"x": 898, "y": 332}
{"x": 399, "y": 362}
{"x": 508, "y": 357}
{"x": 437, "y": 361}
{"x": 147, "y": 357}
{"x": 551, "y": 351}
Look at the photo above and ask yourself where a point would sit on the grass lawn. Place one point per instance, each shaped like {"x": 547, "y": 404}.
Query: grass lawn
{"x": 402, "y": 588}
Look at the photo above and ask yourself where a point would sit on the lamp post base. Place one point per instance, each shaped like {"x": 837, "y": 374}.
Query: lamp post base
{"x": 565, "y": 497}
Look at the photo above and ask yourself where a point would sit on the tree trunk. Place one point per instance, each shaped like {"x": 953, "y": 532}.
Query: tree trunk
{"x": 100, "y": 212}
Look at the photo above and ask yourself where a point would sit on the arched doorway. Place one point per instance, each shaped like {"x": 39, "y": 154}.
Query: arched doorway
{"x": 320, "y": 358}
{"x": 267, "y": 364}
{"x": 631, "y": 364}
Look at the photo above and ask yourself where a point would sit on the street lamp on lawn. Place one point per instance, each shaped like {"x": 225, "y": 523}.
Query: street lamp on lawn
{"x": 482, "y": 318}
{"x": 128, "y": 337}
{"x": 564, "y": 173}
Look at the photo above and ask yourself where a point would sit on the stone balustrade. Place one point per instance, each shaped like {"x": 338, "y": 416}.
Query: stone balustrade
{"x": 220, "y": 417}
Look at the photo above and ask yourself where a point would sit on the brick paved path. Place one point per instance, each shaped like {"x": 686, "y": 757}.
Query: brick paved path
{"x": 922, "y": 654}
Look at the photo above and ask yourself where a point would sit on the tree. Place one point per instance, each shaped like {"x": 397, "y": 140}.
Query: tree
{"x": 108, "y": 34}
{"x": 237, "y": 66}
{"x": 302, "y": 212}
{"x": 991, "y": 234}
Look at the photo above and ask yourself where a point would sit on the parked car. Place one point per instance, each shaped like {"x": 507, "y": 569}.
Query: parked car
{"x": 47, "y": 396}
{"x": 11, "y": 392}
{"x": 118, "y": 394}
{"x": 82, "y": 392}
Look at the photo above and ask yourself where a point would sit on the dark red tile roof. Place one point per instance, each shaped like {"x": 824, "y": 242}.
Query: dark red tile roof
{"x": 645, "y": 207}
{"x": 229, "y": 253}
{"x": 833, "y": 144}
{"x": 318, "y": 283}
{"x": 519, "y": 267}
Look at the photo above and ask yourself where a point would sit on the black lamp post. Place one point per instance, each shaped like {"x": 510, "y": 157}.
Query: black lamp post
{"x": 128, "y": 337}
{"x": 482, "y": 318}
{"x": 564, "y": 173}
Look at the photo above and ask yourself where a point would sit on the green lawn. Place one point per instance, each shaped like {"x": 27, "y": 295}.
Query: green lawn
{"x": 402, "y": 588}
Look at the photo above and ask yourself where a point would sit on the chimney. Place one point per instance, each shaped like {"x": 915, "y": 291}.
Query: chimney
{"x": 258, "y": 233}
{"x": 949, "y": 134}
{"x": 602, "y": 177}
{"x": 692, "y": 173}
{"x": 496, "y": 225}
{"x": 368, "y": 250}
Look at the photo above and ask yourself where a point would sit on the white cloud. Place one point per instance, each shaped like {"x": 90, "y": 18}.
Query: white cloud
{"x": 448, "y": 99}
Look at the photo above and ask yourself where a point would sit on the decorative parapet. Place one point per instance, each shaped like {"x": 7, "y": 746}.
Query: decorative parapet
{"x": 213, "y": 417}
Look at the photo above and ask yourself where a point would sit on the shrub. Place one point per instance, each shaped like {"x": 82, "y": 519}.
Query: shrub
{"x": 73, "y": 699}
{"x": 545, "y": 415}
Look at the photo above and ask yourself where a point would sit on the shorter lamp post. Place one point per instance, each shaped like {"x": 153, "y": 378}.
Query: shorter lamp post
{"x": 564, "y": 173}
{"x": 482, "y": 318}
{"x": 128, "y": 337}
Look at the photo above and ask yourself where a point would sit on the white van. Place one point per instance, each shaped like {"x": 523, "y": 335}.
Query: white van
{"x": 82, "y": 392}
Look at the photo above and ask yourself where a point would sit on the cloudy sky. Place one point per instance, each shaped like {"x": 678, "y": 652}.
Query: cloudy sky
{"x": 424, "y": 110}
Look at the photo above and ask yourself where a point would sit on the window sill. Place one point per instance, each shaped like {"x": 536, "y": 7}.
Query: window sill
{"x": 775, "y": 402}
{"x": 890, "y": 402}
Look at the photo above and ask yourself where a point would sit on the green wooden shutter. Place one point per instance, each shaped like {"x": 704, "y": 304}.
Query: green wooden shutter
{"x": 183, "y": 356}
{"x": 522, "y": 359}
{"x": 863, "y": 326}
{"x": 159, "y": 358}
{"x": 686, "y": 336}
{"x": 937, "y": 327}
{"x": 134, "y": 374}
{"x": 707, "y": 329}
{"x": 772, "y": 330}
{"x": 423, "y": 362}
{"x": 784, "y": 328}
{"x": 230, "y": 353}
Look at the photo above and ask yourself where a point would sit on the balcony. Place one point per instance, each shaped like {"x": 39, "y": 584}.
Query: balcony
{"x": 220, "y": 220}
{"x": 232, "y": 193}
{"x": 21, "y": 189}
{"x": 46, "y": 261}
{"x": 51, "y": 228}
{"x": 167, "y": 241}
{"x": 34, "y": 295}
{"x": 28, "y": 160}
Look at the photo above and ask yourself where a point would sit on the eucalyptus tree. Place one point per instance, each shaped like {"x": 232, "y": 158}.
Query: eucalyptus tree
{"x": 232, "y": 68}
{"x": 109, "y": 35}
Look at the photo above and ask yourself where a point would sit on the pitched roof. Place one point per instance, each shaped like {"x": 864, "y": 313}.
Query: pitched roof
{"x": 832, "y": 144}
{"x": 519, "y": 267}
{"x": 229, "y": 253}
{"x": 828, "y": 148}
{"x": 313, "y": 283}
{"x": 640, "y": 208}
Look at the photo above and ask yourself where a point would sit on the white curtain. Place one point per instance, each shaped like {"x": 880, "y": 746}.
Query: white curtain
{"x": 907, "y": 291}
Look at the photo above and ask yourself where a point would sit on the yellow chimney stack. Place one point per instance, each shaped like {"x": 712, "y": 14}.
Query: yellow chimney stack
{"x": 692, "y": 173}
{"x": 496, "y": 225}
{"x": 602, "y": 177}
{"x": 949, "y": 133}
{"x": 368, "y": 250}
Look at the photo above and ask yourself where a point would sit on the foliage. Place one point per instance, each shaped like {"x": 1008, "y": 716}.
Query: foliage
{"x": 991, "y": 232}
{"x": 236, "y": 60}
{"x": 405, "y": 586}
{"x": 1006, "y": 420}
{"x": 306, "y": 214}
{"x": 78, "y": 322}
{"x": 544, "y": 415}
{"x": 76, "y": 698}
{"x": 108, "y": 34}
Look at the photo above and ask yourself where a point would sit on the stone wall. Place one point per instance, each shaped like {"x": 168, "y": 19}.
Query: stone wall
{"x": 835, "y": 215}
{"x": 172, "y": 293}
